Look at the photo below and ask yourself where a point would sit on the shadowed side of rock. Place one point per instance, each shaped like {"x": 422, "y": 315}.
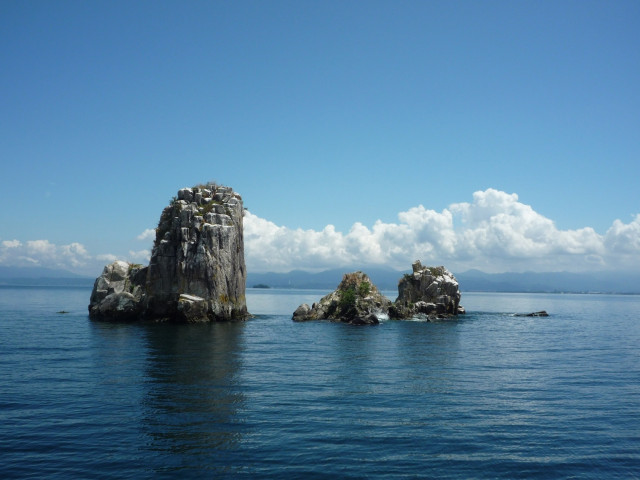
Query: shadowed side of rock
{"x": 196, "y": 271}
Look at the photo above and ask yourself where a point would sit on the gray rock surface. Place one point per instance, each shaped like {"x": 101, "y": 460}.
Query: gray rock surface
{"x": 117, "y": 293}
{"x": 196, "y": 271}
{"x": 356, "y": 301}
{"x": 428, "y": 291}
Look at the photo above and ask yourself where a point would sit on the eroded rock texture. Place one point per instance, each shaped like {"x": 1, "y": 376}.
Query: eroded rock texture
{"x": 356, "y": 300}
{"x": 428, "y": 291}
{"x": 196, "y": 271}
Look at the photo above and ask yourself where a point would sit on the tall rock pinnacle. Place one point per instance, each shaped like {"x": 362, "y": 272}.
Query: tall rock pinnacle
{"x": 196, "y": 271}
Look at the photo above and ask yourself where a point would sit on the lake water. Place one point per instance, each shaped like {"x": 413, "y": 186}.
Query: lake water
{"x": 488, "y": 395}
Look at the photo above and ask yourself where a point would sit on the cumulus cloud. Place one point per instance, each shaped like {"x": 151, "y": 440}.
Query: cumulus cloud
{"x": 107, "y": 257}
{"x": 497, "y": 226}
{"x": 148, "y": 234}
{"x": 73, "y": 256}
{"x": 139, "y": 256}
{"x": 624, "y": 239}
{"x": 11, "y": 243}
{"x": 43, "y": 253}
{"x": 493, "y": 232}
{"x": 41, "y": 248}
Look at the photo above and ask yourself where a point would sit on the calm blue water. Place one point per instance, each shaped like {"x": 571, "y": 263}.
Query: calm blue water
{"x": 486, "y": 396}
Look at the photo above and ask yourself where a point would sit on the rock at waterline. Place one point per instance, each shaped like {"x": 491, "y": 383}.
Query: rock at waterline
{"x": 196, "y": 272}
{"x": 356, "y": 301}
{"x": 541, "y": 313}
{"x": 427, "y": 291}
{"x": 430, "y": 292}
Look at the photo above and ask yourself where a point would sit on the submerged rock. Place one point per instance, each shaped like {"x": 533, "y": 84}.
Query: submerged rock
{"x": 356, "y": 301}
{"x": 428, "y": 291}
{"x": 541, "y": 313}
{"x": 196, "y": 272}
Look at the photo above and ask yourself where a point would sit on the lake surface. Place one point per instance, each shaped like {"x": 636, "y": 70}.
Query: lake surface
{"x": 488, "y": 395}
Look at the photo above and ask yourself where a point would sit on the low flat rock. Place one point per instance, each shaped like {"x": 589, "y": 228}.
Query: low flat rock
{"x": 541, "y": 313}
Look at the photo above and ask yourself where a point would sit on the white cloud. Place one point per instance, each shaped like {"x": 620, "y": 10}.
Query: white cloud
{"x": 43, "y": 253}
{"x": 277, "y": 248}
{"x": 149, "y": 233}
{"x": 139, "y": 256}
{"x": 494, "y": 232}
{"x": 107, "y": 257}
{"x": 75, "y": 253}
{"x": 496, "y": 224}
{"x": 73, "y": 256}
{"x": 624, "y": 239}
{"x": 11, "y": 243}
{"x": 41, "y": 248}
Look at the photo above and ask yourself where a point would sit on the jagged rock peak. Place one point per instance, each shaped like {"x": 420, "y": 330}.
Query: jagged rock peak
{"x": 430, "y": 291}
{"x": 196, "y": 271}
{"x": 356, "y": 301}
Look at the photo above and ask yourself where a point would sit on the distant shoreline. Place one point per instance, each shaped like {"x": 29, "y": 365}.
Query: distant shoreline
{"x": 593, "y": 283}
{"x": 464, "y": 291}
{"x": 88, "y": 283}
{"x": 47, "y": 282}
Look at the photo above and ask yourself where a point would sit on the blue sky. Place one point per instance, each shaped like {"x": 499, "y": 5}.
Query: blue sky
{"x": 496, "y": 135}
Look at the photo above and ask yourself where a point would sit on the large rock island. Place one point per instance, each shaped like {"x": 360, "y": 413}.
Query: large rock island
{"x": 428, "y": 292}
{"x": 196, "y": 272}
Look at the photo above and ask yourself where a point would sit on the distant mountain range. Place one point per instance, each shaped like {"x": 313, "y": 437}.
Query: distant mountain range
{"x": 41, "y": 276}
{"x": 383, "y": 278}
{"x": 470, "y": 281}
{"x": 553, "y": 282}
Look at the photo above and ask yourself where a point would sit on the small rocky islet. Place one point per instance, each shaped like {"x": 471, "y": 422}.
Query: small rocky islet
{"x": 197, "y": 273}
{"x": 356, "y": 300}
{"x": 427, "y": 292}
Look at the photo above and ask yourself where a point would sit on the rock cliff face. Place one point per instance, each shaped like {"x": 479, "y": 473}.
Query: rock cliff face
{"x": 356, "y": 301}
{"x": 429, "y": 292}
{"x": 196, "y": 271}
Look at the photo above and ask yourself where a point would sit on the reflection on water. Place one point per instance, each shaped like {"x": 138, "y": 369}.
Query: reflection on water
{"x": 179, "y": 385}
{"x": 426, "y": 356}
{"x": 192, "y": 394}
